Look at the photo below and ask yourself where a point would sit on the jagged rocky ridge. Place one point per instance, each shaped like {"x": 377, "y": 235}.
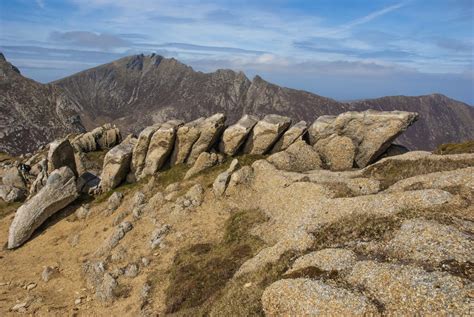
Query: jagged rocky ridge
{"x": 276, "y": 234}
{"x": 32, "y": 114}
{"x": 125, "y": 90}
{"x": 369, "y": 134}
{"x": 138, "y": 91}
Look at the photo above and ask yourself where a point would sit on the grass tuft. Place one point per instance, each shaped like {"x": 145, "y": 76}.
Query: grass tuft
{"x": 202, "y": 270}
{"x": 392, "y": 171}
{"x": 455, "y": 148}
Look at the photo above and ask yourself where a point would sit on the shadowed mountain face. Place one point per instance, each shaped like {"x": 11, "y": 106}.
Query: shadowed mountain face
{"x": 136, "y": 91}
{"x": 139, "y": 90}
{"x": 32, "y": 113}
{"x": 442, "y": 120}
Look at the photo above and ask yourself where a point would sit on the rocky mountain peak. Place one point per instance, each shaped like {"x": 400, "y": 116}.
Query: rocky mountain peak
{"x": 6, "y": 68}
{"x": 140, "y": 90}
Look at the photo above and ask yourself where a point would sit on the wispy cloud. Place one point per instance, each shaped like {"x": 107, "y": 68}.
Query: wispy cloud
{"x": 363, "y": 20}
{"x": 89, "y": 39}
{"x": 282, "y": 39}
{"x": 40, "y": 3}
{"x": 373, "y": 15}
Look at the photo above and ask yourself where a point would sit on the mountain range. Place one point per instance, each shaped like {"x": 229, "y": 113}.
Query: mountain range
{"x": 136, "y": 91}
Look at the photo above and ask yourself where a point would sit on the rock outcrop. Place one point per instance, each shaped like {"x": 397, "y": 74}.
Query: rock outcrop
{"x": 235, "y": 135}
{"x": 60, "y": 191}
{"x": 298, "y": 157}
{"x": 12, "y": 177}
{"x": 371, "y": 131}
{"x": 11, "y": 194}
{"x": 61, "y": 153}
{"x": 210, "y": 131}
{"x": 325, "y": 260}
{"x": 222, "y": 180}
{"x": 141, "y": 149}
{"x": 160, "y": 147}
{"x": 418, "y": 290}
{"x": 116, "y": 165}
{"x": 100, "y": 138}
{"x": 337, "y": 152}
{"x": 204, "y": 161}
{"x": 293, "y": 134}
{"x": 306, "y": 297}
{"x": 186, "y": 136}
{"x": 266, "y": 133}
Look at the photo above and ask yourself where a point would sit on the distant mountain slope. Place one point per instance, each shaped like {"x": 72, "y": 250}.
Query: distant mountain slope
{"x": 442, "y": 120}
{"x": 135, "y": 91}
{"x": 32, "y": 113}
{"x": 138, "y": 90}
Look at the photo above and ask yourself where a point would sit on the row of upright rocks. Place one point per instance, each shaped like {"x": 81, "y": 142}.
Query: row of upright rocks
{"x": 352, "y": 139}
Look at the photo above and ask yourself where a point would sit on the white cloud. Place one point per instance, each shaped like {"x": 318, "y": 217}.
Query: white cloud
{"x": 40, "y": 3}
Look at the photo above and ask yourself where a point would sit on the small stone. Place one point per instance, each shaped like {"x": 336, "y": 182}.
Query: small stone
{"x": 145, "y": 261}
{"x": 77, "y": 301}
{"x": 19, "y": 307}
{"x": 114, "y": 201}
{"x": 30, "y": 286}
{"x": 47, "y": 273}
{"x": 247, "y": 285}
{"x": 131, "y": 270}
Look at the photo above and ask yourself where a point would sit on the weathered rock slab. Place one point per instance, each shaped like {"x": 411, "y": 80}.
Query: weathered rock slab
{"x": 235, "y": 135}
{"x": 326, "y": 260}
{"x": 371, "y": 131}
{"x": 408, "y": 290}
{"x": 293, "y": 134}
{"x": 116, "y": 165}
{"x": 337, "y": 152}
{"x": 222, "y": 180}
{"x": 186, "y": 136}
{"x": 430, "y": 242}
{"x": 204, "y": 161}
{"x": 266, "y": 133}
{"x": 60, "y": 191}
{"x": 298, "y": 157}
{"x": 61, "y": 153}
{"x": 11, "y": 194}
{"x": 141, "y": 149}
{"x": 210, "y": 131}
{"x": 160, "y": 147}
{"x": 306, "y": 297}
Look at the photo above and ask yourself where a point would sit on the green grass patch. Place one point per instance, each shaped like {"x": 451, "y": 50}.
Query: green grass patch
{"x": 208, "y": 176}
{"x": 124, "y": 188}
{"x": 455, "y": 148}
{"x": 242, "y": 296}
{"x": 202, "y": 270}
{"x": 172, "y": 174}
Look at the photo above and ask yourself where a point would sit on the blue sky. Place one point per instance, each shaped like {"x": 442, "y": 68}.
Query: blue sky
{"x": 344, "y": 49}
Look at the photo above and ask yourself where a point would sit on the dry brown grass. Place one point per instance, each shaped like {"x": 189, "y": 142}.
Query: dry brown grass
{"x": 455, "y": 148}
{"x": 8, "y": 208}
{"x": 392, "y": 171}
{"x": 202, "y": 270}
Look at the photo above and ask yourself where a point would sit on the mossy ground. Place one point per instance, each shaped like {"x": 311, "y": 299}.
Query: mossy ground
{"x": 124, "y": 188}
{"x": 201, "y": 271}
